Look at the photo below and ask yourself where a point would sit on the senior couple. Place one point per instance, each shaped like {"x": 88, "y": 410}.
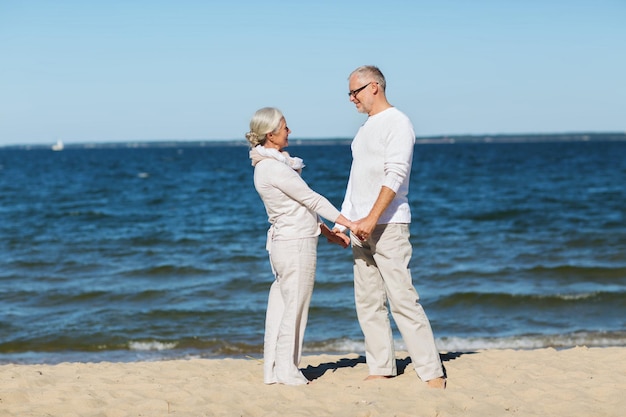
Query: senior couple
{"x": 374, "y": 220}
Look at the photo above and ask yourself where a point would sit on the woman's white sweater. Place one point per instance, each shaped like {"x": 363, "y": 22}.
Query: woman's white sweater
{"x": 292, "y": 207}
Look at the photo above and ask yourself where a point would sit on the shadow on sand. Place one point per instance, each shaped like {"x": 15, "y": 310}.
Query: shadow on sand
{"x": 315, "y": 372}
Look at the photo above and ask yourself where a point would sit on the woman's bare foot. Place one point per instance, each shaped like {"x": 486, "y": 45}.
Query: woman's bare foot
{"x": 439, "y": 383}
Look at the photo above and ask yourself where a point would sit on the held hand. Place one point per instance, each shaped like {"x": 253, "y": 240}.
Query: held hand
{"x": 335, "y": 236}
{"x": 340, "y": 238}
{"x": 364, "y": 228}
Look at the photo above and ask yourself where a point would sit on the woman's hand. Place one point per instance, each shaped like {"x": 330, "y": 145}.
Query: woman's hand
{"x": 339, "y": 238}
{"x": 335, "y": 236}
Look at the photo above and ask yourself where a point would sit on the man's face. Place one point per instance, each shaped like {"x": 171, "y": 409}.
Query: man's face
{"x": 360, "y": 94}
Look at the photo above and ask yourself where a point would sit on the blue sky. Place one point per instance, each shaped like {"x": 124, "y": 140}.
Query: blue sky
{"x": 87, "y": 71}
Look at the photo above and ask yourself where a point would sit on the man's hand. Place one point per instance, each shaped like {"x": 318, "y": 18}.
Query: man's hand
{"x": 364, "y": 227}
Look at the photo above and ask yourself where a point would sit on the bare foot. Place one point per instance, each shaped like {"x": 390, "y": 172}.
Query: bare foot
{"x": 439, "y": 383}
{"x": 373, "y": 377}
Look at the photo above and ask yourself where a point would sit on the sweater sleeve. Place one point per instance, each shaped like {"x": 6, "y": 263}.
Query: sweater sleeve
{"x": 290, "y": 183}
{"x": 398, "y": 154}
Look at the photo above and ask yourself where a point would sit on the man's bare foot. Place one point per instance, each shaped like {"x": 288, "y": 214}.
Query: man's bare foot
{"x": 373, "y": 377}
{"x": 439, "y": 383}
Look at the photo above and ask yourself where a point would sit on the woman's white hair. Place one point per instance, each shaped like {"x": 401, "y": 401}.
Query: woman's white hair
{"x": 265, "y": 120}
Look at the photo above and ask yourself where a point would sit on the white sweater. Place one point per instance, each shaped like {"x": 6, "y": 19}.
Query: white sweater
{"x": 290, "y": 204}
{"x": 382, "y": 154}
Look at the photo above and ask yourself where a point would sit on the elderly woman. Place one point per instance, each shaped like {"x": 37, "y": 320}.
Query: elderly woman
{"x": 292, "y": 209}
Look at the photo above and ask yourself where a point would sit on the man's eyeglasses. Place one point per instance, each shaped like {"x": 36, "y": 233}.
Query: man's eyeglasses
{"x": 353, "y": 93}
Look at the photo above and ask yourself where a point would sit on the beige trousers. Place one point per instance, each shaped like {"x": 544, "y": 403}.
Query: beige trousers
{"x": 382, "y": 277}
{"x": 293, "y": 263}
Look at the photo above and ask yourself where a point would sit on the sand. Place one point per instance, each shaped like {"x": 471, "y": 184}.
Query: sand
{"x": 544, "y": 382}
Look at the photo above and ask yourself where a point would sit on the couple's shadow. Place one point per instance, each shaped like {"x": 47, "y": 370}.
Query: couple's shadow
{"x": 315, "y": 372}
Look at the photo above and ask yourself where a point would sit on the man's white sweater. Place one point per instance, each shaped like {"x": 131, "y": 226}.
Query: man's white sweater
{"x": 382, "y": 153}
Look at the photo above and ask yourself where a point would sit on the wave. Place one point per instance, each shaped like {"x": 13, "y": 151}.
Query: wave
{"x": 507, "y": 301}
{"x": 151, "y": 345}
{"x": 496, "y": 215}
{"x": 166, "y": 270}
{"x": 521, "y": 269}
{"x": 148, "y": 349}
{"x": 594, "y": 273}
{"x": 464, "y": 344}
{"x": 534, "y": 341}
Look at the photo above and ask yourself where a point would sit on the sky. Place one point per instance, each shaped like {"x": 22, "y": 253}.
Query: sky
{"x": 134, "y": 70}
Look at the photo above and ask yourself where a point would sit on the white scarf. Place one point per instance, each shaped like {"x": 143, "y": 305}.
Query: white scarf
{"x": 292, "y": 162}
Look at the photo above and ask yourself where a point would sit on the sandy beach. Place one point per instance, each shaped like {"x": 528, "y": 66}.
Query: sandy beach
{"x": 545, "y": 382}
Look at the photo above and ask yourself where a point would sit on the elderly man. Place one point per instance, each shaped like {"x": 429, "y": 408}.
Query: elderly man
{"x": 382, "y": 153}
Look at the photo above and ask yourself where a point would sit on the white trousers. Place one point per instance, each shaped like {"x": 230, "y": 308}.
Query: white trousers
{"x": 381, "y": 277}
{"x": 293, "y": 263}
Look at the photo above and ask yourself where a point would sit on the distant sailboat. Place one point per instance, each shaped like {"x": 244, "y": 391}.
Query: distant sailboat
{"x": 58, "y": 146}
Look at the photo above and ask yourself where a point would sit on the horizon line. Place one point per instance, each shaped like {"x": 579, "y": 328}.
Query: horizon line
{"x": 441, "y": 138}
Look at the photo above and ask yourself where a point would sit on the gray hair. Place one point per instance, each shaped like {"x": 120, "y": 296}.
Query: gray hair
{"x": 265, "y": 120}
{"x": 372, "y": 72}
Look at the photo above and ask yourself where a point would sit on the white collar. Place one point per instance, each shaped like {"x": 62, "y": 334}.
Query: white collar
{"x": 293, "y": 162}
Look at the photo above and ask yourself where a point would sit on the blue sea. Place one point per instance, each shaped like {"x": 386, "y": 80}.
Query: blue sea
{"x": 146, "y": 253}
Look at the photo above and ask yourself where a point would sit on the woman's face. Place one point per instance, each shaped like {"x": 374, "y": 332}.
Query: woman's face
{"x": 279, "y": 139}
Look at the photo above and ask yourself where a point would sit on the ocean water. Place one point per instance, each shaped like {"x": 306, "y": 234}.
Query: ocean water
{"x": 128, "y": 254}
